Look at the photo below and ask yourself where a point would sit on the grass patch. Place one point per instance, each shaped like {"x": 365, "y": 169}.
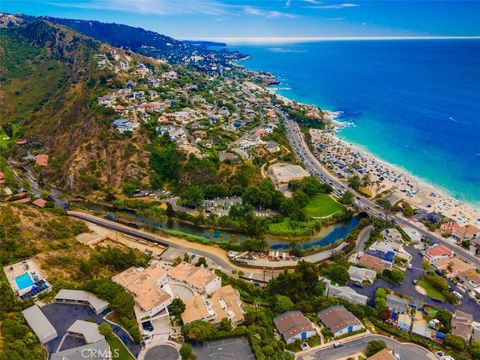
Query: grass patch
{"x": 322, "y": 205}
{"x": 431, "y": 291}
{"x": 118, "y": 348}
{"x": 294, "y": 228}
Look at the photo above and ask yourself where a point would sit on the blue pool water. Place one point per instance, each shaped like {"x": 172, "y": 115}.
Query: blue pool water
{"x": 24, "y": 281}
{"x": 413, "y": 103}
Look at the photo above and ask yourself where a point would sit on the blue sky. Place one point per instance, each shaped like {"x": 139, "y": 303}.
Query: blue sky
{"x": 202, "y": 19}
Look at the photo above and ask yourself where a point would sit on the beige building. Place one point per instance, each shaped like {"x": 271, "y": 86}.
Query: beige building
{"x": 200, "y": 279}
{"x": 149, "y": 288}
{"x": 223, "y": 304}
{"x": 282, "y": 173}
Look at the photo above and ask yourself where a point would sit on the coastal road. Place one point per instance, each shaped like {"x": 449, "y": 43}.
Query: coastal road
{"x": 314, "y": 166}
{"x": 407, "y": 351}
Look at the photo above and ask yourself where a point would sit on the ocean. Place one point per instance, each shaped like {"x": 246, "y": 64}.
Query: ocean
{"x": 412, "y": 103}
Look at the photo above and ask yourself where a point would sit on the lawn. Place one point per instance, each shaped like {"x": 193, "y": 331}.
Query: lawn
{"x": 431, "y": 291}
{"x": 322, "y": 205}
{"x": 294, "y": 228}
{"x": 119, "y": 351}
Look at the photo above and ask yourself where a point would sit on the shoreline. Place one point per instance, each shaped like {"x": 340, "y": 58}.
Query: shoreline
{"x": 424, "y": 186}
{"x": 340, "y": 125}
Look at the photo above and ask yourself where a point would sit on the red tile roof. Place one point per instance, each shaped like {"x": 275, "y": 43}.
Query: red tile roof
{"x": 439, "y": 250}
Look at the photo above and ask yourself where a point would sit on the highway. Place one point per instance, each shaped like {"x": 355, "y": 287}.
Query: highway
{"x": 407, "y": 351}
{"x": 312, "y": 164}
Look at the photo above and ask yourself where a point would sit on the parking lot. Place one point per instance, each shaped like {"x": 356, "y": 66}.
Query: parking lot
{"x": 226, "y": 349}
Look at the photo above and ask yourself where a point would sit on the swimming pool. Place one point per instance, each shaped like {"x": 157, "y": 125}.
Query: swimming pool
{"x": 24, "y": 281}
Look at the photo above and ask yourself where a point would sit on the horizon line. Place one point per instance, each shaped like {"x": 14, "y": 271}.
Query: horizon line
{"x": 297, "y": 39}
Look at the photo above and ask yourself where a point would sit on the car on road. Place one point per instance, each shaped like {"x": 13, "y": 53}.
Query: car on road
{"x": 337, "y": 344}
{"x": 458, "y": 295}
{"x": 414, "y": 281}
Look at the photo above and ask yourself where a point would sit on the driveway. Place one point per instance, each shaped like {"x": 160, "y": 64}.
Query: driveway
{"x": 407, "y": 351}
{"x": 407, "y": 288}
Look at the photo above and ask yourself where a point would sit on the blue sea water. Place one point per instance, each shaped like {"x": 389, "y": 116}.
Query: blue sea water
{"x": 413, "y": 103}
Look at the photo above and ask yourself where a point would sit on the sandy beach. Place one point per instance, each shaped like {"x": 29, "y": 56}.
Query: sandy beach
{"x": 345, "y": 160}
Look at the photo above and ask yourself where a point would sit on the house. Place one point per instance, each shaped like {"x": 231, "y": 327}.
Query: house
{"x": 462, "y": 325}
{"x": 272, "y": 146}
{"x": 392, "y": 235}
{"x": 339, "y": 320}
{"x": 468, "y": 232}
{"x": 39, "y": 202}
{"x": 41, "y": 160}
{"x": 293, "y": 325}
{"x": 86, "y": 330}
{"x": 382, "y": 355}
{"x": 361, "y": 275}
{"x": 432, "y": 217}
{"x": 398, "y": 304}
{"x": 224, "y": 304}
{"x": 372, "y": 262}
{"x": 470, "y": 278}
{"x": 453, "y": 266}
{"x": 345, "y": 293}
{"x": 39, "y": 323}
{"x": 197, "y": 308}
{"x": 200, "y": 279}
{"x": 149, "y": 288}
{"x": 437, "y": 252}
{"x": 81, "y": 297}
{"x": 413, "y": 234}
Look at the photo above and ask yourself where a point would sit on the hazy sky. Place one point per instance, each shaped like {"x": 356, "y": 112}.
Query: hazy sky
{"x": 201, "y": 19}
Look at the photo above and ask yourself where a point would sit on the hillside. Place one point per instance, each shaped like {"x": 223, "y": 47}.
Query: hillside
{"x": 197, "y": 54}
{"x": 48, "y": 75}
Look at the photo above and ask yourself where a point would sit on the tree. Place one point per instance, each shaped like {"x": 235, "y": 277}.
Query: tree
{"x": 105, "y": 329}
{"x": 455, "y": 342}
{"x": 347, "y": 198}
{"x": 445, "y": 318}
{"x": 198, "y": 331}
{"x": 337, "y": 273}
{"x": 387, "y": 207}
{"x": 201, "y": 262}
{"x": 186, "y": 352}
{"x": 374, "y": 347}
{"x": 177, "y": 307}
{"x": 354, "y": 182}
{"x": 283, "y": 303}
{"x": 395, "y": 276}
{"x": 225, "y": 325}
{"x": 193, "y": 196}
